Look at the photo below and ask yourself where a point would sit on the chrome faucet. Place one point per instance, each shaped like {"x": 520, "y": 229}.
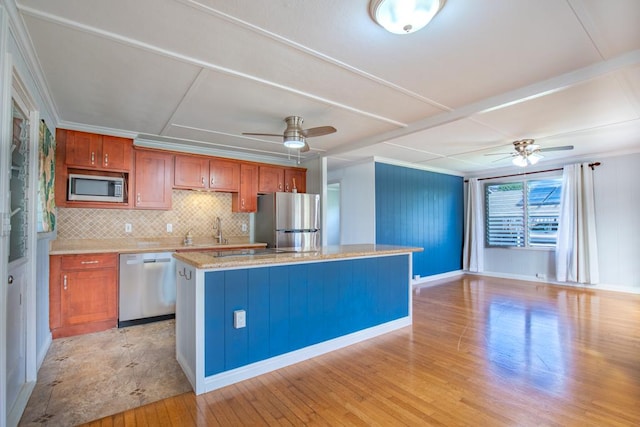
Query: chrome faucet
{"x": 218, "y": 227}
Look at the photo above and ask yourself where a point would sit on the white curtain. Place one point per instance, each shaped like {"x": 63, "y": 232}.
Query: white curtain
{"x": 577, "y": 250}
{"x": 473, "y": 250}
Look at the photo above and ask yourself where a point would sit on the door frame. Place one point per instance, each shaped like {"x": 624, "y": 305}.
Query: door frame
{"x": 12, "y": 86}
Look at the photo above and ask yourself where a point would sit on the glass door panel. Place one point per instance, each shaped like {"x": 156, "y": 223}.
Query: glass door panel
{"x": 19, "y": 185}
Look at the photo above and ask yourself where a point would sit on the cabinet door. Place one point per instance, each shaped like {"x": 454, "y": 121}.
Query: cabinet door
{"x": 191, "y": 172}
{"x": 224, "y": 175}
{"x": 246, "y": 200}
{"x": 295, "y": 178}
{"x": 270, "y": 179}
{"x": 83, "y": 149}
{"x": 88, "y": 296}
{"x": 116, "y": 153}
{"x": 154, "y": 180}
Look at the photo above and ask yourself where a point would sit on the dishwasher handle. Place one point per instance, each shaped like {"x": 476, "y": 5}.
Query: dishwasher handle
{"x": 146, "y": 261}
{"x": 137, "y": 259}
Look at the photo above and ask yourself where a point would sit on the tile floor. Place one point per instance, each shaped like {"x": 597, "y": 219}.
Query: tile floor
{"x": 87, "y": 377}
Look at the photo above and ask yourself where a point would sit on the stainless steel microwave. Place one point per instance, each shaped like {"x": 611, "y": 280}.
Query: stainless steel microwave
{"x": 93, "y": 188}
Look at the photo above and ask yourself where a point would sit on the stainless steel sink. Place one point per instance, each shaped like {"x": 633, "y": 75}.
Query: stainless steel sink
{"x": 249, "y": 252}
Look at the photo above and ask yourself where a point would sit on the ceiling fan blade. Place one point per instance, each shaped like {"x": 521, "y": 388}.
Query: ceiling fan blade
{"x": 562, "y": 148}
{"x": 305, "y": 148}
{"x": 319, "y": 131}
{"x": 262, "y": 134}
{"x": 498, "y": 154}
{"x": 503, "y": 158}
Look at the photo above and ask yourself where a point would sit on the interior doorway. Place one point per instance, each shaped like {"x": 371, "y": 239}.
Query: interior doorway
{"x": 333, "y": 213}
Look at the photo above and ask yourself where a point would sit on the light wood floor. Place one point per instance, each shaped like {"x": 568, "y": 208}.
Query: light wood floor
{"x": 481, "y": 352}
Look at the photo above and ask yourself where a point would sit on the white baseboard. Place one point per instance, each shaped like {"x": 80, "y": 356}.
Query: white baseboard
{"x": 223, "y": 379}
{"x": 521, "y": 277}
{"x": 436, "y": 277}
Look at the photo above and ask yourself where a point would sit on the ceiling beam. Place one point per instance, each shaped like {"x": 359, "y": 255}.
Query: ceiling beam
{"x": 504, "y": 100}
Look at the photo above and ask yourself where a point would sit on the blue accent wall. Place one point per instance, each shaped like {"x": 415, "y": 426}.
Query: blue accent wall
{"x": 294, "y": 306}
{"x": 421, "y": 208}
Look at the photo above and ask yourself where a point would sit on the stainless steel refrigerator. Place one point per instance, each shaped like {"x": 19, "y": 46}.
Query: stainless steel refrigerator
{"x": 289, "y": 221}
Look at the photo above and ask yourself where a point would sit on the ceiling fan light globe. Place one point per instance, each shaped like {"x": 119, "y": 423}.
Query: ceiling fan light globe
{"x": 533, "y": 158}
{"x": 520, "y": 161}
{"x": 404, "y": 16}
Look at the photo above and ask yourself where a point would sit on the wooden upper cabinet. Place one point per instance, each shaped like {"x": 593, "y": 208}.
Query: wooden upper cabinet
{"x": 83, "y": 149}
{"x": 270, "y": 179}
{"x": 197, "y": 172}
{"x": 191, "y": 172}
{"x": 246, "y": 200}
{"x": 273, "y": 178}
{"x": 93, "y": 151}
{"x": 154, "y": 180}
{"x": 295, "y": 178}
{"x": 224, "y": 175}
{"x": 117, "y": 153}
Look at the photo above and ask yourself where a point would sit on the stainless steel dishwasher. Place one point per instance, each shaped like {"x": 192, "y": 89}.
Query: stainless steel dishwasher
{"x": 147, "y": 288}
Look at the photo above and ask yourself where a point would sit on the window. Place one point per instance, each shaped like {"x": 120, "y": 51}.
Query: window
{"x": 523, "y": 213}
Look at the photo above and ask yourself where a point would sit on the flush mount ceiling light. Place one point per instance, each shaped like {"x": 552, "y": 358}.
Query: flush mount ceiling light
{"x": 404, "y": 16}
{"x": 295, "y": 141}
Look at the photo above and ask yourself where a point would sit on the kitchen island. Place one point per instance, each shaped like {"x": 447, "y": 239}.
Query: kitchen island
{"x": 242, "y": 315}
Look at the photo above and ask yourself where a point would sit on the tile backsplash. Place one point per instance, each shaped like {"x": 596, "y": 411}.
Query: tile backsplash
{"x": 191, "y": 210}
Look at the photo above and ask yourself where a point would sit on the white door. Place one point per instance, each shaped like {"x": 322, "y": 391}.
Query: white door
{"x": 18, "y": 259}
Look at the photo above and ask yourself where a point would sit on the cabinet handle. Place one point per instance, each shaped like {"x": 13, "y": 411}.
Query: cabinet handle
{"x": 203, "y": 181}
{"x": 106, "y": 159}
{"x": 138, "y": 198}
{"x": 89, "y": 262}
{"x": 286, "y": 187}
{"x": 64, "y": 282}
{"x": 242, "y": 202}
{"x": 213, "y": 180}
{"x": 93, "y": 158}
{"x": 280, "y": 186}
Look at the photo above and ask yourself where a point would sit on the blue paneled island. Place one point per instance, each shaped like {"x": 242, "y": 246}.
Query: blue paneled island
{"x": 239, "y": 315}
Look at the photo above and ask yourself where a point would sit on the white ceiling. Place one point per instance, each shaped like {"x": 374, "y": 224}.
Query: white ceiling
{"x": 481, "y": 75}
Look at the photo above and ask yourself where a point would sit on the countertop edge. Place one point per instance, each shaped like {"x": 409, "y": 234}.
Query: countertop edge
{"x": 120, "y": 247}
{"x": 202, "y": 261}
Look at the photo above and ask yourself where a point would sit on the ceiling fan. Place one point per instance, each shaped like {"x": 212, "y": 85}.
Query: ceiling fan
{"x": 295, "y": 136}
{"x": 527, "y": 153}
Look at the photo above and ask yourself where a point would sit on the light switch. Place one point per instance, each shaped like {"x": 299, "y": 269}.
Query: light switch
{"x": 239, "y": 319}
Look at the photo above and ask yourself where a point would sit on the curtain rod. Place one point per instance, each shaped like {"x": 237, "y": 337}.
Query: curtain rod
{"x": 591, "y": 165}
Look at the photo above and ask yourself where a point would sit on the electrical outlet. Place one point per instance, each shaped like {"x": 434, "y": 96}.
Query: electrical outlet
{"x": 127, "y": 228}
{"x": 244, "y": 227}
{"x": 239, "y": 319}
{"x": 169, "y": 228}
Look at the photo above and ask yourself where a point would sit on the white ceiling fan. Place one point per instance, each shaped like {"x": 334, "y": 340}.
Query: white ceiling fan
{"x": 527, "y": 153}
{"x": 295, "y": 136}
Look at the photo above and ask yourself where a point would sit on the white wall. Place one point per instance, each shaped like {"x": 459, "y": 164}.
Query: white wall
{"x": 357, "y": 202}
{"x": 617, "y": 199}
{"x": 617, "y": 194}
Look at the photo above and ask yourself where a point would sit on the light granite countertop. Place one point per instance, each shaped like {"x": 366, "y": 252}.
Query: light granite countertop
{"x": 136, "y": 245}
{"x": 213, "y": 260}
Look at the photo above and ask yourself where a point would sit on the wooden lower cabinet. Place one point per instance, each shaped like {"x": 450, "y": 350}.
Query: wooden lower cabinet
{"x": 83, "y": 293}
